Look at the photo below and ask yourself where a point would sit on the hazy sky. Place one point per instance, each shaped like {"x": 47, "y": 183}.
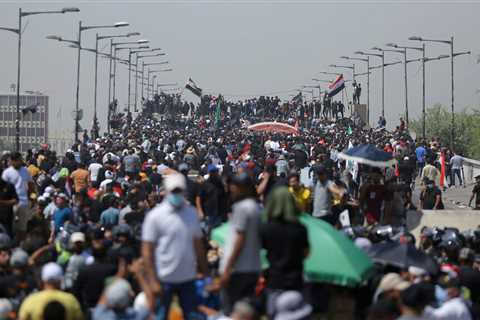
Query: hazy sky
{"x": 243, "y": 48}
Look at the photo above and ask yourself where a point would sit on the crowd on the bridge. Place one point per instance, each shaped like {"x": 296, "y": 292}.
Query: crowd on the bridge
{"x": 121, "y": 224}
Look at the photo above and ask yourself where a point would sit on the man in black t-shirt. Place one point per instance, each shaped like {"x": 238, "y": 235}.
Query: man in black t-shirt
{"x": 8, "y": 198}
{"x": 475, "y": 194}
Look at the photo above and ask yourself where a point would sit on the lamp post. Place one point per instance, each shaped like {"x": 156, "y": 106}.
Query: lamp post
{"x": 382, "y": 56}
{"x": 19, "y": 32}
{"x": 352, "y": 67}
{"x": 98, "y": 38}
{"x": 139, "y": 56}
{"x": 130, "y": 52}
{"x": 422, "y": 49}
{"x": 330, "y": 73}
{"x": 452, "y": 56}
{"x": 148, "y": 74}
{"x": 404, "y": 52}
{"x": 141, "y": 44}
{"x": 154, "y": 77}
{"x": 367, "y": 60}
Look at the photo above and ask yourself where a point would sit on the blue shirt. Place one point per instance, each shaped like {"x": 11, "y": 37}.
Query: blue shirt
{"x": 109, "y": 217}
{"x": 60, "y": 216}
{"x": 103, "y": 313}
{"x": 420, "y": 153}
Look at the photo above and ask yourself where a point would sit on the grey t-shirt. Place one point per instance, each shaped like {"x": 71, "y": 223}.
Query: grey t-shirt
{"x": 173, "y": 231}
{"x": 245, "y": 218}
{"x": 457, "y": 162}
{"x": 322, "y": 199}
{"x": 131, "y": 163}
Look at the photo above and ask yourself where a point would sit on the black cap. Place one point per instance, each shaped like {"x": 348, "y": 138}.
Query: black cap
{"x": 242, "y": 180}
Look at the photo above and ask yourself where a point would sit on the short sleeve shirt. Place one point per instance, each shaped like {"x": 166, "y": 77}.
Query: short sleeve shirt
{"x": 20, "y": 179}
{"x": 173, "y": 232}
{"x": 245, "y": 218}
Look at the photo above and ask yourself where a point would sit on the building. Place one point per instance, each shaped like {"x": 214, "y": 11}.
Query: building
{"x": 33, "y": 125}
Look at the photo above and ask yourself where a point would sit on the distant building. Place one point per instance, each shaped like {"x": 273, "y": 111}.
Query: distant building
{"x": 33, "y": 125}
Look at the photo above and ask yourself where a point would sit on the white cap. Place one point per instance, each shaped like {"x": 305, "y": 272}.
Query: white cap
{"x": 49, "y": 189}
{"x": 77, "y": 237}
{"x": 175, "y": 181}
{"x": 108, "y": 174}
{"x": 52, "y": 272}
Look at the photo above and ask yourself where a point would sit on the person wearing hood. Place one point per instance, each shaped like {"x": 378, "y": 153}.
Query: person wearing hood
{"x": 286, "y": 242}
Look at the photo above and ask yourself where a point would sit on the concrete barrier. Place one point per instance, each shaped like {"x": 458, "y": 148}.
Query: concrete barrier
{"x": 461, "y": 219}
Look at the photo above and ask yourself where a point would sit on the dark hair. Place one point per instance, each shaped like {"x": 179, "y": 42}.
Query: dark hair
{"x": 16, "y": 156}
{"x": 54, "y": 310}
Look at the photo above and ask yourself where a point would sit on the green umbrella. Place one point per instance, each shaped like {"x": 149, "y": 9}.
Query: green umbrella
{"x": 333, "y": 257}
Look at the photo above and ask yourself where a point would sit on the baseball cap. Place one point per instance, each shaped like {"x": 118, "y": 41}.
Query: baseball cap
{"x": 392, "y": 281}
{"x": 175, "y": 181}
{"x": 5, "y": 241}
{"x": 290, "y": 305}
{"x": 118, "y": 294}
{"x": 242, "y": 179}
{"x": 5, "y": 308}
{"x": 19, "y": 258}
{"x": 183, "y": 167}
{"x": 52, "y": 272}
{"x": 108, "y": 174}
{"x": 212, "y": 168}
{"x": 77, "y": 237}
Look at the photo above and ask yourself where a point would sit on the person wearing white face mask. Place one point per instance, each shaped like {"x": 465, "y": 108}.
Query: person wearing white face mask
{"x": 172, "y": 247}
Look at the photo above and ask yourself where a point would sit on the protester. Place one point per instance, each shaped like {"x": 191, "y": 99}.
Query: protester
{"x": 133, "y": 217}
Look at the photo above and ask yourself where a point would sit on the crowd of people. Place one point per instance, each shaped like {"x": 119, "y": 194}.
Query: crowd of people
{"x": 120, "y": 225}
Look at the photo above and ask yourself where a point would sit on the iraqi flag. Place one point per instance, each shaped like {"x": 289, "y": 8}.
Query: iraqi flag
{"x": 336, "y": 86}
{"x": 192, "y": 86}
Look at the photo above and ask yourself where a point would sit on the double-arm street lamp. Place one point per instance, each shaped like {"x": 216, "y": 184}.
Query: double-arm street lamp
{"x": 140, "y": 56}
{"x": 148, "y": 75}
{"x": 352, "y": 67}
{"x": 452, "y": 56}
{"x": 82, "y": 28}
{"x": 152, "y": 84}
{"x": 19, "y": 32}
{"x": 367, "y": 60}
{"x": 98, "y": 38}
{"x": 140, "y": 44}
{"x": 404, "y": 52}
{"x": 382, "y": 56}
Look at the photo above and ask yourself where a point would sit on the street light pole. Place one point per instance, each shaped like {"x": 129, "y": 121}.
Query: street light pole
{"x": 109, "y": 86}
{"x": 424, "y": 114}
{"x": 129, "y": 78}
{"x": 18, "y": 31}
{"x": 383, "y": 85}
{"x": 79, "y": 38}
{"x": 95, "y": 125}
{"x": 19, "y": 54}
{"x": 452, "y": 132}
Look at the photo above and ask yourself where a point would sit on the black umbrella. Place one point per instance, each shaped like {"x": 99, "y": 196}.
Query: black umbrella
{"x": 402, "y": 256}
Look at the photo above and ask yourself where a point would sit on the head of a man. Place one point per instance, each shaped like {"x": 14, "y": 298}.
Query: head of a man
{"x": 241, "y": 186}
{"x": 52, "y": 276}
{"x": 16, "y": 160}
{"x": 175, "y": 186}
{"x": 294, "y": 181}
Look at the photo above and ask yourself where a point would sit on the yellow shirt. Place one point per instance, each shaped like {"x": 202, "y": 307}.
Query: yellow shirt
{"x": 302, "y": 197}
{"x": 33, "y": 306}
{"x": 33, "y": 170}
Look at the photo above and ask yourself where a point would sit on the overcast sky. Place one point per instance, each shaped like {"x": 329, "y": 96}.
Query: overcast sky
{"x": 243, "y": 48}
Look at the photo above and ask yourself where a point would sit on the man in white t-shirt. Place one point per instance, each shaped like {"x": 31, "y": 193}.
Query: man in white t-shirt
{"x": 172, "y": 247}
{"x": 18, "y": 176}
{"x": 94, "y": 169}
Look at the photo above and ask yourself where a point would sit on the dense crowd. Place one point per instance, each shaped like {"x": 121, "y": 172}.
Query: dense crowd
{"x": 119, "y": 225}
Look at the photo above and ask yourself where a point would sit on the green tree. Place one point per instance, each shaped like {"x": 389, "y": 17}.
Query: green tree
{"x": 467, "y": 129}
